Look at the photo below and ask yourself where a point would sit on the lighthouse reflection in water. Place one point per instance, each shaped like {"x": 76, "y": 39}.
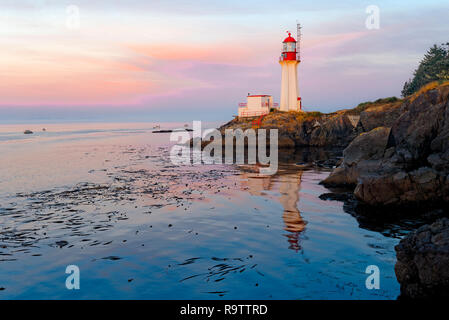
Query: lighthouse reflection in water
{"x": 286, "y": 186}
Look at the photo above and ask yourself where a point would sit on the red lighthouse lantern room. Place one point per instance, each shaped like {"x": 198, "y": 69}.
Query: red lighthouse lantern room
{"x": 288, "y": 48}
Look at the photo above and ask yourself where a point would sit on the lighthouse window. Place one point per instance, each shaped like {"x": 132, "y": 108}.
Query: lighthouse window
{"x": 291, "y": 47}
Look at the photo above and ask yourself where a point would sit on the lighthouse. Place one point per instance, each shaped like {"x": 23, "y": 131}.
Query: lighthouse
{"x": 289, "y": 60}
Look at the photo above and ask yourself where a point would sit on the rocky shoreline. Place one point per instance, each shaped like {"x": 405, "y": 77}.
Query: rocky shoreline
{"x": 315, "y": 129}
{"x": 405, "y": 164}
{"x": 395, "y": 163}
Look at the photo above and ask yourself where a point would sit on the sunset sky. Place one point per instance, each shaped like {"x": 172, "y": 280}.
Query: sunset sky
{"x": 196, "y": 60}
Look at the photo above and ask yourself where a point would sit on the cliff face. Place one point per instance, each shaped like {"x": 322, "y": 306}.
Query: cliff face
{"x": 406, "y": 164}
{"x": 297, "y": 129}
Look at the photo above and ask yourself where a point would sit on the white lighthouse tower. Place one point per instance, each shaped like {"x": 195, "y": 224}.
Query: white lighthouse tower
{"x": 289, "y": 60}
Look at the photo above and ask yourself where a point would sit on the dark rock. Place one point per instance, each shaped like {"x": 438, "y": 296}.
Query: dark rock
{"x": 419, "y": 186}
{"x": 334, "y": 196}
{"x": 407, "y": 165}
{"x": 358, "y": 157}
{"x": 423, "y": 260}
{"x": 367, "y": 146}
{"x": 380, "y": 116}
{"x": 337, "y": 130}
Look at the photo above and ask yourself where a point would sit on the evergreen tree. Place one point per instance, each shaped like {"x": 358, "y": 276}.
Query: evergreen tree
{"x": 433, "y": 67}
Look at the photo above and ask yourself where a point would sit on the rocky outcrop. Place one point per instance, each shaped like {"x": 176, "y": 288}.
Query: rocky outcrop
{"x": 423, "y": 260}
{"x": 380, "y": 115}
{"x": 421, "y": 186}
{"x": 299, "y": 129}
{"x": 337, "y": 130}
{"x": 360, "y": 157}
{"x": 314, "y": 129}
{"x": 406, "y": 165}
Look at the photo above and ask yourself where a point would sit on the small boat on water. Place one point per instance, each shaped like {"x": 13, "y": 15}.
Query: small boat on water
{"x": 28, "y": 132}
{"x": 157, "y": 127}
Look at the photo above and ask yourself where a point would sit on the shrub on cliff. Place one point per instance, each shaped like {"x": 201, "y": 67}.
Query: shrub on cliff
{"x": 365, "y": 105}
{"x": 428, "y": 87}
{"x": 433, "y": 67}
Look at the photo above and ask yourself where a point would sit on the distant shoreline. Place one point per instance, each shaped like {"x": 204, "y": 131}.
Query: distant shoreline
{"x": 172, "y": 130}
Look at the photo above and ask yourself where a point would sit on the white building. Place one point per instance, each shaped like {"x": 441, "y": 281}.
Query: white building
{"x": 256, "y": 105}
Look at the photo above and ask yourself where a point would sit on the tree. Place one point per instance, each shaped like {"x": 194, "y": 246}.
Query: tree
{"x": 433, "y": 67}
{"x": 444, "y": 75}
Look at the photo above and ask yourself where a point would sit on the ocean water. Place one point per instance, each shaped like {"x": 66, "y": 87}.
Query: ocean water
{"x": 106, "y": 198}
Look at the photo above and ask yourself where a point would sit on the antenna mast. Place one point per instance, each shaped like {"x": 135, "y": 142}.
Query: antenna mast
{"x": 298, "y": 39}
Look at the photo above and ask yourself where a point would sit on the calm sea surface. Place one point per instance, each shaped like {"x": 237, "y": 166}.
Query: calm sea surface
{"x": 106, "y": 198}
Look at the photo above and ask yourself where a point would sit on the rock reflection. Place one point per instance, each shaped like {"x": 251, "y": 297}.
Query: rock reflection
{"x": 287, "y": 183}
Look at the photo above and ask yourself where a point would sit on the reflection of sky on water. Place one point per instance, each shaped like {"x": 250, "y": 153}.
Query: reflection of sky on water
{"x": 139, "y": 227}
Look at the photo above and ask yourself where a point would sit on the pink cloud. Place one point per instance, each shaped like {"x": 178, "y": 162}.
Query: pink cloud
{"x": 212, "y": 53}
{"x": 73, "y": 80}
